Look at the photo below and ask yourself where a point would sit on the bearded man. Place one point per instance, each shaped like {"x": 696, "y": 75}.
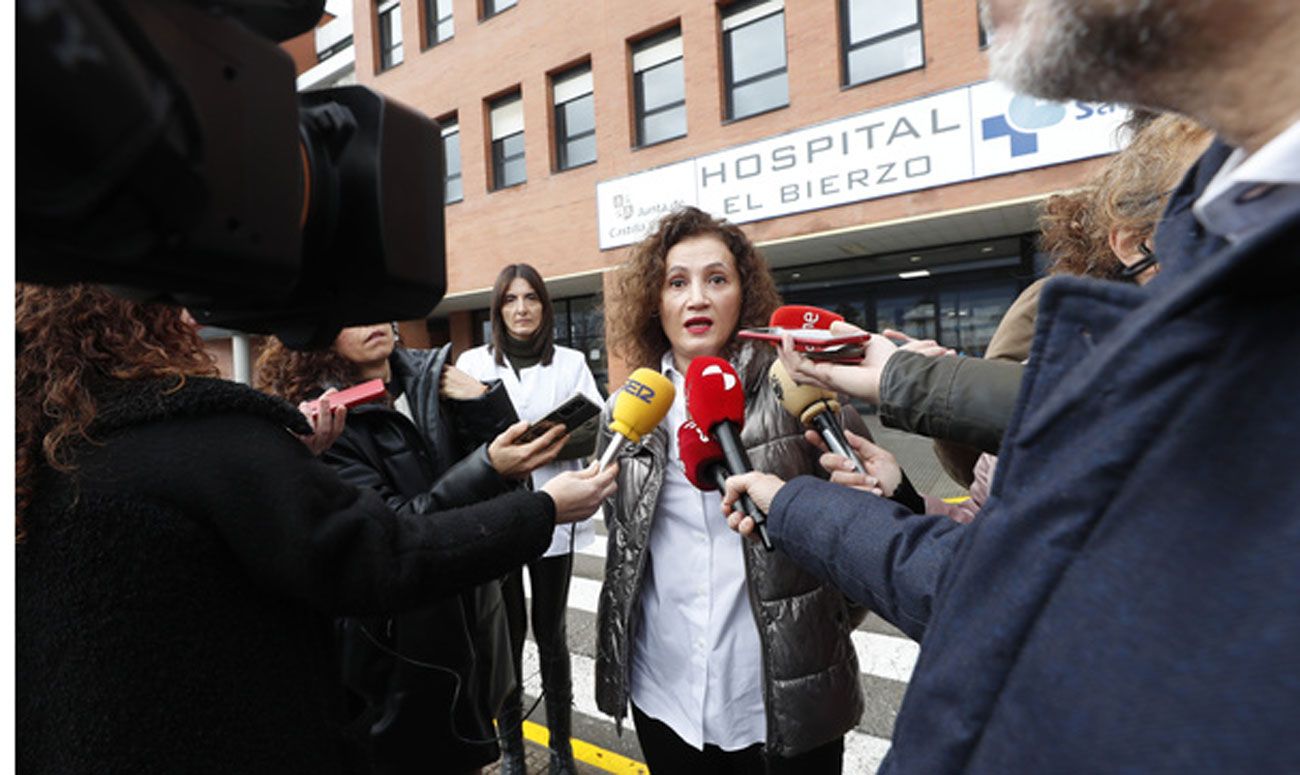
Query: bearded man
{"x": 1129, "y": 599}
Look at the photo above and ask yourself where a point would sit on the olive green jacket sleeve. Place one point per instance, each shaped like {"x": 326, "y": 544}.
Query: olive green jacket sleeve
{"x": 967, "y": 400}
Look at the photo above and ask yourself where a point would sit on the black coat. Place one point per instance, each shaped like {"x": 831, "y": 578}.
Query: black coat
{"x": 174, "y": 594}
{"x": 416, "y": 714}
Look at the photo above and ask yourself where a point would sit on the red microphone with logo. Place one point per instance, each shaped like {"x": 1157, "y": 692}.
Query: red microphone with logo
{"x": 706, "y": 466}
{"x": 715, "y": 400}
{"x": 802, "y": 316}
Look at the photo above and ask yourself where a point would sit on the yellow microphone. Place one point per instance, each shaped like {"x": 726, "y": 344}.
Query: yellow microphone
{"x": 816, "y": 408}
{"x": 640, "y": 405}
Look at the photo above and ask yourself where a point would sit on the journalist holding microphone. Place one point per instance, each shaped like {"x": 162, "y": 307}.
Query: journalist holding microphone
{"x": 731, "y": 657}
{"x": 433, "y": 679}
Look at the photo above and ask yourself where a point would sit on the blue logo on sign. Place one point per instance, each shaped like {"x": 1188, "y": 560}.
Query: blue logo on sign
{"x": 638, "y": 390}
{"x": 1025, "y": 116}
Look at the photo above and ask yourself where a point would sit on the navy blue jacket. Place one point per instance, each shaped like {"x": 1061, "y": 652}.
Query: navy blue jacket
{"x": 1180, "y": 240}
{"x": 1129, "y": 598}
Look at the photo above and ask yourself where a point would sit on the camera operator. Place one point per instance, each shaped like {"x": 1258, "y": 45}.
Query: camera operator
{"x": 180, "y": 554}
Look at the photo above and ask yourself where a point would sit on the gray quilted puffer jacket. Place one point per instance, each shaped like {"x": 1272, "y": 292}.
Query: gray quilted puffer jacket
{"x": 810, "y": 670}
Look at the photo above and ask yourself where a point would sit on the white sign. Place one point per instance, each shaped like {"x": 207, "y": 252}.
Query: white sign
{"x": 967, "y": 133}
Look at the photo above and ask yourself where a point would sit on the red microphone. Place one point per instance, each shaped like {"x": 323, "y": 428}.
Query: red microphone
{"x": 715, "y": 400}
{"x": 702, "y": 456}
{"x": 803, "y": 316}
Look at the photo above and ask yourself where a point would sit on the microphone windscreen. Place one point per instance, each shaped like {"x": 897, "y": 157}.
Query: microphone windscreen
{"x": 714, "y": 393}
{"x": 641, "y": 403}
{"x": 798, "y": 400}
{"x": 699, "y": 453}
{"x": 802, "y": 316}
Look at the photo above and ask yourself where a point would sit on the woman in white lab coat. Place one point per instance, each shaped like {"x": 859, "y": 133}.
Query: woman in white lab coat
{"x": 538, "y": 376}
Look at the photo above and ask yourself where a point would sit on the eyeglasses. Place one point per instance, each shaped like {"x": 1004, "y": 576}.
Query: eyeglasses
{"x": 1147, "y": 261}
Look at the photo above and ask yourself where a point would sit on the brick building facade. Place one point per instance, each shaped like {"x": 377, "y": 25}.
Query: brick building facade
{"x": 489, "y": 68}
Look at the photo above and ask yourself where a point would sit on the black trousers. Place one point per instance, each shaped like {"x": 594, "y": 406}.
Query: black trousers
{"x": 667, "y": 754}
{"x": 549, "y": 577}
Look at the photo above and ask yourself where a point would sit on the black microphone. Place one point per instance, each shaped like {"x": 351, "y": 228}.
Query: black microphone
{"x": 715, "y": 400}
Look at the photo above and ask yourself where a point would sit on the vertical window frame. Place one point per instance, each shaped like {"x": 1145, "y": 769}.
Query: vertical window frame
{"x": 730, "y": 85}
{"x": 498, "y": 137}
{"x": 489, "y": 9}
{"x": 386, "y": 29}
{"x": 450, "y": 125}
{"x": 847, "y": 46}
{"x": 639, "y": 112}
{"x": 432, "y": 23}
{"x": 559, "y": 82}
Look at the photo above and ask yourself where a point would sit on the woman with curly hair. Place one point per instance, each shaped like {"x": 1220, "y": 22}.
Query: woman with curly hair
{"x": 443, "y": 439}
{"x": 181, "y": 553}
{"x": 732, "y": 659}
{"x": 1105, "y": 229}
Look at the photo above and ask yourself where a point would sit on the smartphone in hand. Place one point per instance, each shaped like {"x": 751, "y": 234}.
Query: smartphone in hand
{"x": 805, "y": 339}
{"x": 361, "y": 393}
{"x": 571, "y": 414}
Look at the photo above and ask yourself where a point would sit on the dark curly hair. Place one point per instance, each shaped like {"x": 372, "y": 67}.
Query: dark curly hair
{"x": 71, "y": 339}
{"x": 636, "y": 333}
{"x": 297, "y": 375}
{"x": 1131, "y": 191}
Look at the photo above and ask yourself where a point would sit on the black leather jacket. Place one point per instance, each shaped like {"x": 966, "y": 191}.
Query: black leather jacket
{"x": 417, "y": 716}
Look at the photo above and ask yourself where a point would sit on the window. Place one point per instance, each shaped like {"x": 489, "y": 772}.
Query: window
{"x": 880, "y": 38}
{"x": 452, "y": 191}
{"x": 753, "y": 44}
{"x": 660, "y": 88}
{"x": 508, "y": 141}
{"x": 984, "y": 34}
{"x": 390, "y": 34}
{"x": 575, "y": 118}
{"x": 493, "y": 7}
{"x": 438, "y": 25}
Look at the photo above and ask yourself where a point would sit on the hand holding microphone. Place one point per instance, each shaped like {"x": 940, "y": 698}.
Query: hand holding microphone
{"x": 639, "y": 406}
{"x": 760, "y": 487}
{"x": 816, "y": 408}
{"x": 715, "y": 400}
{"x": 883, "y": 475}
{"x": 578, "y": 494}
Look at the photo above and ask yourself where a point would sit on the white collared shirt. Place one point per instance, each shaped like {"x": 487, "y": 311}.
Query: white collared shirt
{"x": 1251, "y": 192}
{"x": 697, "y": 661}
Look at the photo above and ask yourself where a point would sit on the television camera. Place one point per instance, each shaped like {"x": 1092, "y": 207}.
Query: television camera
{"x": 162, "y": 150}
